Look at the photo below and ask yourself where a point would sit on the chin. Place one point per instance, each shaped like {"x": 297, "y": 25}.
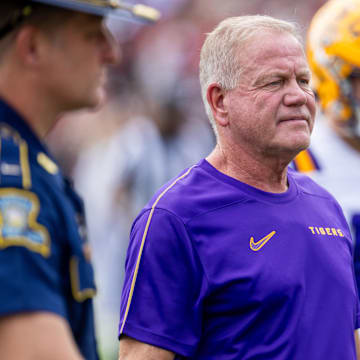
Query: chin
{"x": 300, "y": 141}
{"x": 291, "y": 147}
{"x": 299, "y": 146}
{"x": 93, "y": 102}
{"x": 99, "y": 97}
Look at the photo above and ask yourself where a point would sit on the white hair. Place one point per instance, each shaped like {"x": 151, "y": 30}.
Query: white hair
{"x": 219, "y": 58}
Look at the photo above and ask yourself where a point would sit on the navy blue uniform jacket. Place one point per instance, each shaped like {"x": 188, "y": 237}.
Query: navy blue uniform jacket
{"x": 43, "y": 262}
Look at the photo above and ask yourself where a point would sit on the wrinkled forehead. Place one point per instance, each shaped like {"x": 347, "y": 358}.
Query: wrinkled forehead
{"x": 266, "y": 48}
{"x": 268, "y": 43}
{"x": 280, "y": 53}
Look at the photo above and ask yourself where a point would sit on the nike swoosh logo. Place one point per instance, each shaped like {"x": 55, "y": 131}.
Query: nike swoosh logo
{"x": 256, "y": 246}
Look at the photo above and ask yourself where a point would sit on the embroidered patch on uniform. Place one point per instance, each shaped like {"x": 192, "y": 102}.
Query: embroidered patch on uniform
{"x": 10, "y": 169}
{"x": 19, "y": 210}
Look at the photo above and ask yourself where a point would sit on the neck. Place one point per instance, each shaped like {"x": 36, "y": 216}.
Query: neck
{"x": 20, "y": 92}
{"x": 267, "y": 174}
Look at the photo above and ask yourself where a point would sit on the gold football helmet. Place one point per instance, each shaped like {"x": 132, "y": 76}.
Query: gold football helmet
{"x": 333, "y": 52}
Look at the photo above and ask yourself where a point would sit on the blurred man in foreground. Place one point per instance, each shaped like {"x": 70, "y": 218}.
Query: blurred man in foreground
{"x": 53, "y": 55}
{"x": 240, "y": 257}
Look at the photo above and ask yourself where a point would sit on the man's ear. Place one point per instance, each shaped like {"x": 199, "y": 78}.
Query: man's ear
{"x": 28, "y": 45}
{"x": 215, "y": 96}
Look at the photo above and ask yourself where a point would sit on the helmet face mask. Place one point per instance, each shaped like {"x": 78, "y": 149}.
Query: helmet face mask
{"x": 333, "y": 51}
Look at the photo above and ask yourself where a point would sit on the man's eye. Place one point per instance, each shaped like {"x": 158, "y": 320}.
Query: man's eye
{"x": 275, "y": 83}
{"x": 304, "y": 81}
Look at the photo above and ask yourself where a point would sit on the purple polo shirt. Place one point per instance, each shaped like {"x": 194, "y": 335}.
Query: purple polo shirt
{"x": 217, "y": 269}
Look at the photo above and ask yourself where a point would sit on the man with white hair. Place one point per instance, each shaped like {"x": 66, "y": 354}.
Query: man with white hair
{"x": 240, "y": 257}
{"x": 53, "y": 55}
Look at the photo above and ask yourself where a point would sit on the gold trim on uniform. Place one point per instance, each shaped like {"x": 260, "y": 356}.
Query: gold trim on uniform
{"x": 79, "y": 295}
{"x": 47, "y": 163}
{"x": 25, "y": 166}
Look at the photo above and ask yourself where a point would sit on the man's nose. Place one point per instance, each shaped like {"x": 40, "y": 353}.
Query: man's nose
{"x": 111, "y": 51}
{"x": 295, "y": 95}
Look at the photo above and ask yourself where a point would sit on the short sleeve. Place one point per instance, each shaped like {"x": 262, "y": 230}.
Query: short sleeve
{"x": 356, "y": 227}
{"x": 164, "y": 284}
{"x": 357, "y": 307}
{"x": 30, "y": 276}
{"x": 357, "y": 320}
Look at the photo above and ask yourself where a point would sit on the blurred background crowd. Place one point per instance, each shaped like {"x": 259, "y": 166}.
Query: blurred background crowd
{"x": 151, "y": 126}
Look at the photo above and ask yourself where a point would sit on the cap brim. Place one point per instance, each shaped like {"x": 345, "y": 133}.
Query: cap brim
{"x": 99, "y": 10}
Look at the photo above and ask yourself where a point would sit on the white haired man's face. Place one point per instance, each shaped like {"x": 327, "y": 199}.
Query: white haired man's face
{"x": 272, "y": 110}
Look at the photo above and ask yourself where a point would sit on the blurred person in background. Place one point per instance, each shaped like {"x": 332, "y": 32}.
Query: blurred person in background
{"x": 333, "y": 50}
{"x": 53, "y": 55}
{"x": 240, "y": 257}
